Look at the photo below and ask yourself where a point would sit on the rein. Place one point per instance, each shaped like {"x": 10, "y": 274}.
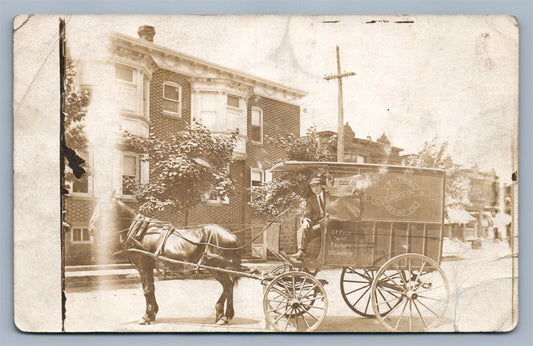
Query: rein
{"x": 231, "y": 248}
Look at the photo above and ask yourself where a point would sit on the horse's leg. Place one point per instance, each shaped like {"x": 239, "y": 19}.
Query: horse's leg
{"x": 146, "y": 271}
{"x": 219, "y": 306}
{"x": 229, "y": 300}
{"x": 227, "y": 296}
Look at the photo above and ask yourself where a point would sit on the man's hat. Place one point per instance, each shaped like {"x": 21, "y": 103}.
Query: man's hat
{"x": 315, "y": 180}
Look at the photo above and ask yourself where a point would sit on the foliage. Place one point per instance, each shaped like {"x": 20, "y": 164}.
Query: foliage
{"x": 184, "y": 169}
{"x": 304, "y": 148}
{"x": 75, "y": 102}
{"x": 435, "y": 154}
{"x": 287, "y": 190}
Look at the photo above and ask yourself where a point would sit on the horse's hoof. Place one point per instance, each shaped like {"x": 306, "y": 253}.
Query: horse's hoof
{"x": 224, "y": 320}
{"x": 144, "y": 321}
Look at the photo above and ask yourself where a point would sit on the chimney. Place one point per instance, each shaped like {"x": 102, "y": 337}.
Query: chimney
{"x": 369, "y": 138}
{"x": 146, "y": 32}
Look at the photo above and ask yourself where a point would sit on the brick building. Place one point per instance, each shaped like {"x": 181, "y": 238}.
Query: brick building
{"x": 362, "y": 150}
{"x": 146, "y": 88}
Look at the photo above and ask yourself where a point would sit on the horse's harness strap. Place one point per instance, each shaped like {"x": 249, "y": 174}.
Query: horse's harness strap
{"x": 161, "y": 248}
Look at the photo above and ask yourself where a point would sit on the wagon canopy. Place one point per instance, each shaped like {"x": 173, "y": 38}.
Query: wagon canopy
{"x": 358, "y": 191}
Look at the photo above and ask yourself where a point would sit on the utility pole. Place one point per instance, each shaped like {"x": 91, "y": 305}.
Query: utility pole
{"x": 340, "y": 124}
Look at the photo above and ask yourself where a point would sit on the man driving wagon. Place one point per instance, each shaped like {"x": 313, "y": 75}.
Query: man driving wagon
{"x": 315, "y": 211}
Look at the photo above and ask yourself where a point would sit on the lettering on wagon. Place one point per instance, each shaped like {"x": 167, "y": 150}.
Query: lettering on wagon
{"x": 397, "y": 190}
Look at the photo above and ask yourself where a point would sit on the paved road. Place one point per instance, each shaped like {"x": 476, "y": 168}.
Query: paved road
{"x": 480, "y": 300}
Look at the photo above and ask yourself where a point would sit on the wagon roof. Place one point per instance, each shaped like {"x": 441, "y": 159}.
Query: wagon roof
{"x": 294, "y": 166}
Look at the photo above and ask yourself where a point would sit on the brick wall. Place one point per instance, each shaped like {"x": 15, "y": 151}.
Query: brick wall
{"x": 166, "y": 125}
{"x": 78, "y": 214}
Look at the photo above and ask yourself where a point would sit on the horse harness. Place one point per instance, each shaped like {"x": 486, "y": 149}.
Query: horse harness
{"x": 140, "y": 226}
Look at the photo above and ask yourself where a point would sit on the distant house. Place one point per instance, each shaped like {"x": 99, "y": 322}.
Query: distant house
{"x": 361, "y": 150}
{"x": 161, "y": 91}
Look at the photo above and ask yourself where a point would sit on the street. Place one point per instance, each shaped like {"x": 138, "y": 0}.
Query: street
{"x": 480, "y": 284}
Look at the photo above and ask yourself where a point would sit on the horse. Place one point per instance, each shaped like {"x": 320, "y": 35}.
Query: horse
{"x": 210, "y": 245}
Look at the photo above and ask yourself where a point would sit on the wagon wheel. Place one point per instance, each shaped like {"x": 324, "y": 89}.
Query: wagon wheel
{"x": 356, "y": 291}
{"x": 295, "y": 302}
{"x": 418, "y": 289}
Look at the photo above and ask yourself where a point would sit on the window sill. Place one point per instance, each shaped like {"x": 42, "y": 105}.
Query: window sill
{"x": 80, "y": 195}
{"x": 172, "y": 115}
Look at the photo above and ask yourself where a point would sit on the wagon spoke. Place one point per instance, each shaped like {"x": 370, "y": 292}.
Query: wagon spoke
{"x": 280, "y": 292}
{"x": 310, "y": 299}
{"x": 279, "y": 318}
{"x": 389, "y": 292}
{"x": 419, "y": 314}
{"x": 390, "y": 312}
{"x": 314, "y": 307}
{"x": 410, "y": 273}
{"x": 381, "y": 294}
{"x": 430, "y": 298}
{"x": 286, "y": 288}
{"x": 357, "y": 289}
{"x": 357, "y": 282}
{"x": 305, "y": 321}
{"x": 293, "y": 287}
{"x": 394, "y": 282}
{"x": 387, "y": 302}
{"x": 401, "y": 315}
{"x": 367, "y": 302}
{"x": 362, "y": 295}
{"x": 310, "y": 314}
{"x": 420, "y": 271}
{"x": 402, "y": 274}
{"x": 424, "y": 305}
{"x": 410, "y": 315}
{"x": 289, "y": 319}
{"x": 309, "y": 290}
{"x": 278, "y": 308}
{"x": 302, "y": 287}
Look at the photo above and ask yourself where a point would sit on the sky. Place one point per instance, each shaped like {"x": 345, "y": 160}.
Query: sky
{"x": 451, "y": 76}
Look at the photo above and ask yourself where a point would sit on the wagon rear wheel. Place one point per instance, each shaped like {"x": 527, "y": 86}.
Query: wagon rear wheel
{"x": 419, "y": 293}
{"x": 356, "y": 290}
{"x": 295, "y": 302}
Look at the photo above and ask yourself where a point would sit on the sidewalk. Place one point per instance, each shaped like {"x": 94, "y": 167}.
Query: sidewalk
{"x": 115, "y": 274}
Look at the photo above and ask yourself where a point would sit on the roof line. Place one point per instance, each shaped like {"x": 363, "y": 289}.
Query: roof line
{"x": 244, "y": 75}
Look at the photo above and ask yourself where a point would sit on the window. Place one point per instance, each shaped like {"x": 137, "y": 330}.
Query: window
{"x": 256, "y": 180}
{"x": 124, "y": 73}
{"x": 171, "y": 98}
{"x": 257, "y": 125}
{"x": 212, "y": 198}
{"x": 81, "y": 235}
{"x": 130, "y": 173}
{"x": 127, "y": 92}
{"x": 234, "y": 114}
{"x": 233, "y": 101}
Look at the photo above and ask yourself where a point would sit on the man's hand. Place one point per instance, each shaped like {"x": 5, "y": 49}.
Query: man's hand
{"x": 306, "y": 223}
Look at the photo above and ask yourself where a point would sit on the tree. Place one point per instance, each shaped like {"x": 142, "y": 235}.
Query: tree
{"x": 435, "y": 154}
{"x": 75, "y": 102}
{"x": 287, "y": 190}
{"x": 183, "y": 170}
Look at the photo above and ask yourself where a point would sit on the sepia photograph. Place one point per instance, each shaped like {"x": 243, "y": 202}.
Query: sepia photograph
{"x": 271, "y": 173}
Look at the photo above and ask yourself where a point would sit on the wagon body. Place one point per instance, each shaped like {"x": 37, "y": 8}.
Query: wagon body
{"x": 376, "y": 212}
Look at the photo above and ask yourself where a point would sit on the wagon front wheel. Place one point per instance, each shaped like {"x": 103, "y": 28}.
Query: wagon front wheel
{"x": 295, "y": 302}
{"x": 418, "y": 293}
